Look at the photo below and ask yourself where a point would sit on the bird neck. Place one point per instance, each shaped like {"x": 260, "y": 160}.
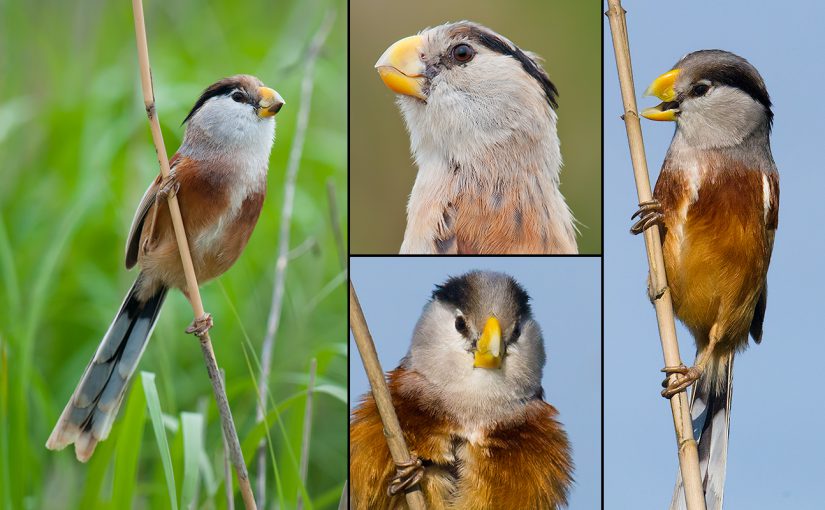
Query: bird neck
{"x": 474, "y": 411}
{"x": 244, "y": 146}
{"x": 752, "y": 150}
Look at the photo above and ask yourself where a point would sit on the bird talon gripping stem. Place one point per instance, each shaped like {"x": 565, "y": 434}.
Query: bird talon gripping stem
{"x": 201, "y": 325}
{"x": 407, "y": 474}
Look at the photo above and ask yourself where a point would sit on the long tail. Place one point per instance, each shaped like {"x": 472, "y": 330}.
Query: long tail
{"x": 88, "y": 417}
{"x": 710, "y": 413}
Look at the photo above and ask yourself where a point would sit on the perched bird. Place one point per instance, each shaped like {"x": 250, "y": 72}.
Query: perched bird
{"x": 717, "y": 202}
{"x": 482, "y": 123}
{"x": 219, "y": 176}
{"x": 468, "y": 397}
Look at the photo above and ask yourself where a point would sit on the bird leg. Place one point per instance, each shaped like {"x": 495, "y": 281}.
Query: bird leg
{"x": 201, "y": 325}
{"x": 680, "y": 377}
{"x": 649, "y": 213}
{"x": 407, "y": 474}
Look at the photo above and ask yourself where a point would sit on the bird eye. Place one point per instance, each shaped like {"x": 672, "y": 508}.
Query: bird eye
{"x": 463, "y": 53}
{"x": 238, "y": 97}
{"x": 700, "y": 89}
{"x": 461, "y": 325}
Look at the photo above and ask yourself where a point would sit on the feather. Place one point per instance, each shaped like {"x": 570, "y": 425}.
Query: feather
{"x": 710, "y": 414}
{"x": 90, "y": 412}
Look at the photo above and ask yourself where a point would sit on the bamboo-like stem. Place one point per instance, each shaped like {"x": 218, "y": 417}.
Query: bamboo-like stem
{"x": 283, "y": 243}
{"x": 686, "y": 444}
{"x": 381, "y": 394}
{"x": 304, "y": 466}
{"x": 227, "y": 466}
{"x": 336, "y": 224}
{"x": 193, "y": 294}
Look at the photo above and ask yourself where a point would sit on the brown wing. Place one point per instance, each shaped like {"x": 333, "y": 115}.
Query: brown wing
{"x": 523, "y": 466}
{"x": 146, "y": 203}
{"x": 371, "y": 466}
{"x": 771, "y": 224}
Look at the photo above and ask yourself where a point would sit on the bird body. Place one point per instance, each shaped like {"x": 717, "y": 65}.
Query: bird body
{"x": 482, "y": 123}
{"x": 717, "y": 201}
{"x": 219, "y": 178}
{"x": 467, "y": 467}
{"x": 718, "y": 222}
{"x": 469, "y": 400}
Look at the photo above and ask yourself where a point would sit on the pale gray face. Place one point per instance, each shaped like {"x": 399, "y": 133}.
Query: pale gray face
{"x": 447, "y": 337}
{"x": 476, "y": 91}
{"x": 233, "y": 118}
{"x": 721, "y": 99}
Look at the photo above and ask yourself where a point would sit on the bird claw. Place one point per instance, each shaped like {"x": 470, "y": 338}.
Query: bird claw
{"x": 407, "y": 474}
{"x": 201, "y": 325}
{"x": 649, "y": 214}
{"x": 682, "y": 378}
{"x": 168, "y": 188}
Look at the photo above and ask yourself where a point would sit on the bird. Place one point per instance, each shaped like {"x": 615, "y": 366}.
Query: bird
{"x": 716, "y": 202}
{"x": 219, "y": 177}
{"x": 469, "y": 400}
{"x": 481, "y": 114}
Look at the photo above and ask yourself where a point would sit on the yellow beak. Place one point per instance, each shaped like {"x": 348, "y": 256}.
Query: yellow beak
{"x": 270, "y": 103}
{"x": 488, "y": 349}
{"x": 663, "y": 88}
{"x": 401, "y": 69}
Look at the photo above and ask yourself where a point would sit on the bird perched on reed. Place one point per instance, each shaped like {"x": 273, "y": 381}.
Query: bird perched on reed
{"x": 219, "y": 176}
{"x": 481, "y": 114}
{"x": 468, "y": 397}
{"x": 717, "y": 201}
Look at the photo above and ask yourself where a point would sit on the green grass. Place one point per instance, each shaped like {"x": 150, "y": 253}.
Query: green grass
{"x": 77, "y": 157}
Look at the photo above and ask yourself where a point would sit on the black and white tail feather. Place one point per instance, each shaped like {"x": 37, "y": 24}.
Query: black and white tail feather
{"x": 87, "y": 418}
{"x": 710, "y": 414}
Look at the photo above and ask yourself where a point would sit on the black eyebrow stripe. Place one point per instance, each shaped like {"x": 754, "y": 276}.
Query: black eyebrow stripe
{"x": 744, "y": 82}
{"x": 499, "y": 46}
{"x": 218, "y": 89}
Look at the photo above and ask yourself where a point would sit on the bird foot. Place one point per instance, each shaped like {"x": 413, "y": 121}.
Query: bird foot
{"x": 201, "y": 325}
{"x": 407, "y": 474}
{"x": 683, "y": 377}
{"x": 649, "y": 213}
{"x": 168, "y": 188}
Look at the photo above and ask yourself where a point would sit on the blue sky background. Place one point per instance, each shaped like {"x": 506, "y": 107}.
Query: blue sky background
{"x": 776, "y": 444}
{"x": 565, "y": 296}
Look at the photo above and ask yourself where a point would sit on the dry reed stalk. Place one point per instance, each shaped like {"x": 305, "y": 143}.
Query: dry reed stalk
{"x": 381, "y": 394}
{"x": 304, "y": 465}
{"x": 688, "y": 456}
{"x": 293, "y": 164}
{"x": 183, "y": 246}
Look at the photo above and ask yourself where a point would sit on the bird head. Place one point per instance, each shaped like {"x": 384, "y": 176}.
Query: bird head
{"x": 477, "y": 343}
{"x": 464, "y": 85}
{"x": 715, "y": 97}
{"x": 235, "y": 113}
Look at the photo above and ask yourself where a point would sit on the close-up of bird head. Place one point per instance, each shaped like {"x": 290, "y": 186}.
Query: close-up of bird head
{"x": 478, "y": 346}
{"x": 716, "y": 98}
{"x": 463, "y": 89}
{"x": 481, "y": 115}
{"x": 233, "y": 117}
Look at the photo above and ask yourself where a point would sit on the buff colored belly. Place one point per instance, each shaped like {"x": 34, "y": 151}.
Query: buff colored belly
{"x": 716, "y": 264}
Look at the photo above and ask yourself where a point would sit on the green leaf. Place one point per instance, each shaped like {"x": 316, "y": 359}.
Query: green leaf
{"x": 332, "y": 390}
{"x": 153, "y": 403}
{"x": 192, "y": 425}
{"x": 127, "y": 448}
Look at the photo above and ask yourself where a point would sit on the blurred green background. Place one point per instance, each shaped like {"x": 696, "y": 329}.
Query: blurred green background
{"x": 77, "y": 156}
{"x": 566, "y": 34}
